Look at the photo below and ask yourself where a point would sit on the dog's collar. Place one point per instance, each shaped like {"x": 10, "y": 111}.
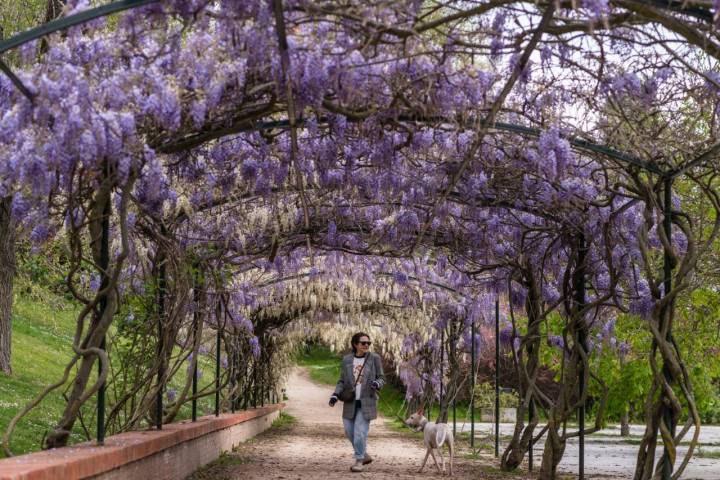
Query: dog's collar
{"x": 423, "y": 424}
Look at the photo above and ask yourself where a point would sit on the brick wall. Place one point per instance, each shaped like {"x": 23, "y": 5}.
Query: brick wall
{"x": 172, "y": 453}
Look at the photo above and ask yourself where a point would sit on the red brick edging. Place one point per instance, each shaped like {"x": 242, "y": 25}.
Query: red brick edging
{"x": 88, "y": 459}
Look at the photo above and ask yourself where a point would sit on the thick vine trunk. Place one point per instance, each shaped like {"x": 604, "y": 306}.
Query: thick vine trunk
{"x": 552, "y": 454}
{"x": 520, "y": 443}
{"x": 61, "y": 433}
{"x": 556, "y": 439}
{"x": 78, "y": 395}
{"x": 648, "y": 445}
{"x": 575, "y": 365}
{"x": 671, "y": 394}
{"x": 454, "y": 372}
{"x": 199, "y": 301}
{"x": 104, "y": 308}
{"x": 526, "y": 366}
{"x": 664, "y": 408}
{"x": 7, "y": 275}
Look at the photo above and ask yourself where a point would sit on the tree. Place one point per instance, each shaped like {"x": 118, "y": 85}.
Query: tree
{"x": 13, "y": 18}
{"x": 7, "y": 274}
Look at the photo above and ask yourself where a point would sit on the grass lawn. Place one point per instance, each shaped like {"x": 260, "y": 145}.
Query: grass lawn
{"x": 42, "y": 335}
{"x": 43, "y": 330}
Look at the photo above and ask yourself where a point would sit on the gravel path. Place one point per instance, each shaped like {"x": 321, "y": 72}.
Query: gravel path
{"x": 315, "y": 447}
{"x": 607, "y": 453}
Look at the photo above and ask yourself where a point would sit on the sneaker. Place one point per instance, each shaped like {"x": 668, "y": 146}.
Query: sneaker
{"x": 358, "y": 467}
{"x": 367, "y": 460}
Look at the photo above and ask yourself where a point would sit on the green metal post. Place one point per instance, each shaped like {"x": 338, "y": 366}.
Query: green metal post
{"x": 101, "y": 404}
{"x": 531, "y": 413}
{"x": 442, "y": 370}
{"x": 196, "y": 327}
{"x": 104, "y": 265}
{"x": 497, "y": 377}
{"x": 217, "y": 371}
{"x": 579, "y": 285}
{"x": 454, "y": 420}
{"x": 161, "y": 316}
{"x": 667, "y": 466}
{"x": 255, "y": 386}
{"x": 472, "y": 385}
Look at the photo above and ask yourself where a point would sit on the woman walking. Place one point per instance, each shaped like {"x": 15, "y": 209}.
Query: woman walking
{"x": 361, "y": 376}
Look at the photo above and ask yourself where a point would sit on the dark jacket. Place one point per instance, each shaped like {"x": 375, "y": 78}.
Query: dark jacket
{"x": 368, "y": 397}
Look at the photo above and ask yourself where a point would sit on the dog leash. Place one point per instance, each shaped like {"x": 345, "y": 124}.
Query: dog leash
{"x": 397, "y": 414}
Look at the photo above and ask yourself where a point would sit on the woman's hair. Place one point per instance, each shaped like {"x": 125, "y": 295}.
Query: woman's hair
{"x": 356, "y": 339}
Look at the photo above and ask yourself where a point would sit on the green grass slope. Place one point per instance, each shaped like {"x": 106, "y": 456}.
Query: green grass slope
{"x": 42, "y": 334}
{"x": 43, "y": 330}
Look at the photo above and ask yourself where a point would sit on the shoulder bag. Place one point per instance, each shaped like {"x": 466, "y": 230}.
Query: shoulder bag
{"x": 348, "y": 393}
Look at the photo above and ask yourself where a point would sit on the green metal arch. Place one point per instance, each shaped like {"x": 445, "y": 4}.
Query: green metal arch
{"x": 70, "y": 21}
{"x": 57, "y": 25}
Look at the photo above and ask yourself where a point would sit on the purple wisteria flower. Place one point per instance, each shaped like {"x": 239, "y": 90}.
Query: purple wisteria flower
{"x": 598, "y": 8}
{"x": 556, "y": 341}
{"x": 623, "y": 349}
{"x": 255, "y": 346}
{"x": 506, "y": 334}
{"x": 95, "y": 282}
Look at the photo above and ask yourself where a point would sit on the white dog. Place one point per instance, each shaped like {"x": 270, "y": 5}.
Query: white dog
{"x": 436, "y": 434}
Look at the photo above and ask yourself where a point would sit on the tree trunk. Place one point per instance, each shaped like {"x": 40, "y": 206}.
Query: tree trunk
{"x": 53, "y": 9}
{"x": 625, "y": 424}
{"x": 7, "y": 275}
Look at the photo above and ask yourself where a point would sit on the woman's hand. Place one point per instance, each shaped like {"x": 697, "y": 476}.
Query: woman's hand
{"x": 333, "y": 400}
{"x": 375, "y": 385}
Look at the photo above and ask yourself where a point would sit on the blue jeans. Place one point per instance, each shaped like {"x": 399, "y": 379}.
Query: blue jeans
{"x": 357, "y": 431}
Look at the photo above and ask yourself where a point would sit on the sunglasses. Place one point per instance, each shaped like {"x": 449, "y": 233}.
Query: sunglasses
{"x": 365, "y": 343}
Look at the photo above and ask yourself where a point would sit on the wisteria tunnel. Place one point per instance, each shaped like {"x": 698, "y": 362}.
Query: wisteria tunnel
{"x": 201, "y": 201}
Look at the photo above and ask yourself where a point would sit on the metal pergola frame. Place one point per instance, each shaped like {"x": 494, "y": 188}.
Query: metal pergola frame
{"x": 667, "y": 176}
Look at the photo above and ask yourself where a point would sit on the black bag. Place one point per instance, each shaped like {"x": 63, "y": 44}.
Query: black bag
{"x": 348, "y": 393}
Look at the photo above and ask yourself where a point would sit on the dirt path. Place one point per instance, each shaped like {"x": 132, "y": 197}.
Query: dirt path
{"x": 316, "y": 448}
